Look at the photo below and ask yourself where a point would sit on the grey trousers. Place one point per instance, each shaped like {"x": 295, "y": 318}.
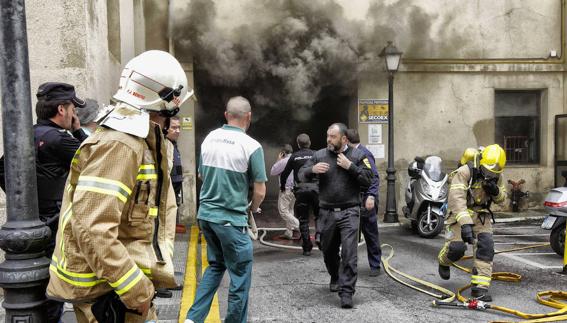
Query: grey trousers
{"x": 340, "y": 228}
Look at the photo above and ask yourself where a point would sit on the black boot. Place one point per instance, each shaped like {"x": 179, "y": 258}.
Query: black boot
{"x": 444, "y": 272}
{"x": 346, "y": 301}
{"x": 334, "y": 285}
{"x": 481, "y": 294}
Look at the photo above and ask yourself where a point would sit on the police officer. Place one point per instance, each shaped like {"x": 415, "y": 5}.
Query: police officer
{"x": 55, "y": 147}
{"x": 474, "y": 186}
{"x": 343, "y": 174}
{"x": 368, "y": 219}
{"x": 306, "y": 192}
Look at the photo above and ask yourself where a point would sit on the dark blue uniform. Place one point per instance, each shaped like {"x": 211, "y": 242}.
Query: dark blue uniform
{"x": 368, "y": 220}
{"x": 306, "y": 194}
{"x": 55, "y": 148}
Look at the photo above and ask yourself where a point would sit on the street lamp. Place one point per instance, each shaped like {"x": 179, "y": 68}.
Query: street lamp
{"x": 392, "y": 57}
{"x": 25, "y": 271}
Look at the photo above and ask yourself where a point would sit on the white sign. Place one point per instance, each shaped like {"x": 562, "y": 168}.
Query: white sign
{"x": 374, "y": 134}
{"x": 376, "y": 150}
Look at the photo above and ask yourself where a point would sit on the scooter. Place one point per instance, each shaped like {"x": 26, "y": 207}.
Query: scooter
{"x": 556, "y": 204}
{"x": 426, "y": 196}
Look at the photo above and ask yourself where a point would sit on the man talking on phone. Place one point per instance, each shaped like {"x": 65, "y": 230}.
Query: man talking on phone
{"x": 57, "y": 136}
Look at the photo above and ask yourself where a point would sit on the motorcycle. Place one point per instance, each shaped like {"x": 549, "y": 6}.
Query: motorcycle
{"x": 556, "y": 204}
{"x": 426, "y": 196}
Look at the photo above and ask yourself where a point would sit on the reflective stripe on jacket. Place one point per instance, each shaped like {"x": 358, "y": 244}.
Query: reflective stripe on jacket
{"x": 466, "y": 196}
{"x": 113, "y": 236}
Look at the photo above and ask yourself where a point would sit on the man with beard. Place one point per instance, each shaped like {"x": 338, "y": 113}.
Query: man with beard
{"x": 343, "y": 173}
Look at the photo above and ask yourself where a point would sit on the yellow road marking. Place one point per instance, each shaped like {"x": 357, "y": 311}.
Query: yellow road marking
{"x": 190, "y": 280}
{"x": 214, "y": 312}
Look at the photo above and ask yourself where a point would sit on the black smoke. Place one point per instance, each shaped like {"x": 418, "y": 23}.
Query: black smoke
{"x": 297, "y": 61}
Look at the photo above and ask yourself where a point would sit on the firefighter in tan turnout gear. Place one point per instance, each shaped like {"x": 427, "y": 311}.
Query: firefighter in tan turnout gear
{"x": 474, "y": 186}
{"x": 115, "y": 242}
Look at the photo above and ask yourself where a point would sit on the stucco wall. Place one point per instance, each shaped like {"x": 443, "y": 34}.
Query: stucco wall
{"x": 444, "y": 106}
{"x": 68, "y": 42}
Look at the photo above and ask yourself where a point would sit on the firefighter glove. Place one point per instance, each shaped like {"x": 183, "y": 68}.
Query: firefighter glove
{"x": 491, "y": 187}
{"x": 467, "y": 233}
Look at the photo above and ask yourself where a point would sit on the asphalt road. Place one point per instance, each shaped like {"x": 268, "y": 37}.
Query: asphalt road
{"x": 289, "y": 287}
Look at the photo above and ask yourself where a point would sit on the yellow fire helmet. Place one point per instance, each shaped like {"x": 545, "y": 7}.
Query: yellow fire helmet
{"x": 493, "y": 159}
{"x": 468, "y": 155}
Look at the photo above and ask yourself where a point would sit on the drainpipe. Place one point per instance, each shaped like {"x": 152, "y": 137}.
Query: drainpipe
{"x": 25, "y": 272}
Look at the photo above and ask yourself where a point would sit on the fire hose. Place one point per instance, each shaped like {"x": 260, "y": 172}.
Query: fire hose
{"x": 552, "y": 298}
{"x": 254, "y": 233}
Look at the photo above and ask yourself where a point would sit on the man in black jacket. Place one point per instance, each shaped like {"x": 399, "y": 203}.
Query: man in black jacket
{"x": 306, "y": 193}
{"x": 343, "y": 172}
{"x": 55, "y": 149}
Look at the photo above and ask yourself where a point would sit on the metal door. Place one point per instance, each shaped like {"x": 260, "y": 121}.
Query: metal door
{"x": 560, "y": 158}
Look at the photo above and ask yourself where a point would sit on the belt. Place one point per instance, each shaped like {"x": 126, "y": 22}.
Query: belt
{"x": 338, "y": 209}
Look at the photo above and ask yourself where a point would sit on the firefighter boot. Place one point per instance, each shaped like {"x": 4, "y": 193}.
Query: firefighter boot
{"x": 481, "y": 294}
{"x": 444, "y": 272}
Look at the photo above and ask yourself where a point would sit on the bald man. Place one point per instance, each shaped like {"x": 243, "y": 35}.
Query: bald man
{"x": 230, "y": 160}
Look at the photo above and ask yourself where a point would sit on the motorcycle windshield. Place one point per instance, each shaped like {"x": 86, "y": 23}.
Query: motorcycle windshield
{"x": 433, "y": 168}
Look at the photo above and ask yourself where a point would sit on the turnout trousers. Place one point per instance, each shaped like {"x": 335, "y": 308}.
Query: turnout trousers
{"x": 339, "y": 228}
{"x": 84, "y": 314}
{"x": 483, "y": 248}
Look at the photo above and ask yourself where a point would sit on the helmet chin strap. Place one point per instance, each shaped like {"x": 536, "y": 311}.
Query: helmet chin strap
{"x": 169, "y": 113}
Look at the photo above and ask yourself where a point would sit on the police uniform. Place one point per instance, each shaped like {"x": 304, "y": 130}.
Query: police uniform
{"x": 306, "y": 194}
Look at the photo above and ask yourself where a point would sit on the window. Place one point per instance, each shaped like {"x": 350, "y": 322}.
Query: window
{"x": 517, "y": 123}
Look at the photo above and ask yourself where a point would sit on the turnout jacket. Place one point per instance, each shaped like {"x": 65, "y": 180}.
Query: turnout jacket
{"x": 116, "y": 229}
{"x": 339, "y": 187}
{"x": 466, "y": 195}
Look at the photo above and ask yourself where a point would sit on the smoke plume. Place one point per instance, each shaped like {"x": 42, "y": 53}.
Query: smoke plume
{"x": 286, "y": 55}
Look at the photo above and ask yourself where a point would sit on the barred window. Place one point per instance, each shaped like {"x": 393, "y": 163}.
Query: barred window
{"x": 517, "y": 125}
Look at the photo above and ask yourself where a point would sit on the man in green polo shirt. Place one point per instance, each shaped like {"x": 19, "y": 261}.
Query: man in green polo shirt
{"x": 230, "y": 161}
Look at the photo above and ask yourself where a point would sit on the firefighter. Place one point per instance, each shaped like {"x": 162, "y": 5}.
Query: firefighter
{"x": 474, "y": 186}
{"x": 114, "y": 245}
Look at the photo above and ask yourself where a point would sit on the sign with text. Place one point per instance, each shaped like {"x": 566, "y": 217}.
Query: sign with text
{"x": 372, "y": 111}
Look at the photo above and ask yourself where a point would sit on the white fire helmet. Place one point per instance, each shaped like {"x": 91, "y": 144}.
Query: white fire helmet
{"x": 151, "y": 81}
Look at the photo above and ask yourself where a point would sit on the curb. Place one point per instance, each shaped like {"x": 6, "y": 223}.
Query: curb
{"x": 498, "y": 220}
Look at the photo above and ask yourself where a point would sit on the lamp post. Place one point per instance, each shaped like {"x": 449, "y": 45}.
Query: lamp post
{"x": 25, "y": 272}
{"x": 392, "y": 57}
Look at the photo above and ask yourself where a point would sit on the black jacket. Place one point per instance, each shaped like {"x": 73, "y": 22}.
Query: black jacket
{"x": 338, "y": 187}
{"x": 54, "y": 150}
{"x": 294, "y": 163}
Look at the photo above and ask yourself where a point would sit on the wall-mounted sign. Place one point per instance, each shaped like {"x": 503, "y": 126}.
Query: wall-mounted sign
{"x": 374, "y": 134}
{"x": 372, "y": 111}
{"x": 186, "y": 123}
{"x": 376, "y": 150}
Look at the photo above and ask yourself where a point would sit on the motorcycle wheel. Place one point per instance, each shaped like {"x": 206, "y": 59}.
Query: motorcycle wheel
{"x": 557, "y": 239}
{"x": 432, "y": 229}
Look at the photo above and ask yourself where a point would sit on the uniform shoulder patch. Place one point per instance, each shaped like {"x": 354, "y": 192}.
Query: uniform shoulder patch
{"x": 367, "y": 163}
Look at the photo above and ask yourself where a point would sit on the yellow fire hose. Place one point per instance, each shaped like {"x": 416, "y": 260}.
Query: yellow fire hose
{"x": 554, "y": 299}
